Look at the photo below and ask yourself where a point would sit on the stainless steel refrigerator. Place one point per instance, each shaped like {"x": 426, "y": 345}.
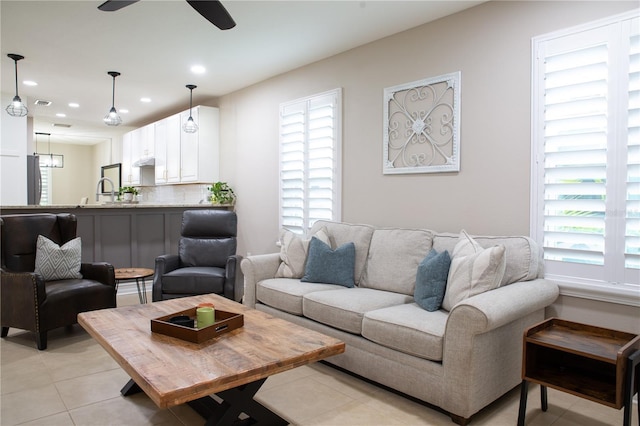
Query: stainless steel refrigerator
{"x": 34, "y": 180}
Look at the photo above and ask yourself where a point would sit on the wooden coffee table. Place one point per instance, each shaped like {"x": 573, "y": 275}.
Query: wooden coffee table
{"x": 233, "y": 366}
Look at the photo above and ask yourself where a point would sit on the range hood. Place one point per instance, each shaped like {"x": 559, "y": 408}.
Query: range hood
{"x": 145, "y": 162}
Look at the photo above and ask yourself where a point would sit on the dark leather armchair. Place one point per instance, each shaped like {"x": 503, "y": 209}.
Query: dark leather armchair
{"x": 29, "y": 302}
{"x": 206, "y": 261}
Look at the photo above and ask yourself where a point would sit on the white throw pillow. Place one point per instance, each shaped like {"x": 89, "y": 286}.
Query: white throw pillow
{"x": 294, "y": 250}
{"x": 58, "y": 263}
{"x": 473, "y": 270}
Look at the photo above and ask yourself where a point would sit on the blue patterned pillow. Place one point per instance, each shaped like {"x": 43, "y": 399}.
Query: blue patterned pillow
{"x": 431, "y": 280}
{"x": 328, "y": 266}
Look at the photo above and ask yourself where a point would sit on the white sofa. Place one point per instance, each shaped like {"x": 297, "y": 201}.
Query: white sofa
{"x": 460, "y": 360}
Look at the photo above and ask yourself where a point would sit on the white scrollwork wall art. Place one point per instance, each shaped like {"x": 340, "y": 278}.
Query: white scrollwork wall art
{"x": 422, "y": 126}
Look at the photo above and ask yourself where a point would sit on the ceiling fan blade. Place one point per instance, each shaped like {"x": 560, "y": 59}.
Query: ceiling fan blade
{"x": 113, "y": 5}
{"x": 214, "y": 12}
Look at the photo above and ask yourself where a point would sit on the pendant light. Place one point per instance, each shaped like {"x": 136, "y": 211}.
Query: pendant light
{"x": 49, "y": 159}
{"x": 190, "y": 126}
{"x": 16, "y": 108}
{"x": 112, "y": 118}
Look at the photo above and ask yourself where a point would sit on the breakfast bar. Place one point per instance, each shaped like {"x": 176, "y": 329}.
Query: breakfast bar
{"x": 125, "y": 235}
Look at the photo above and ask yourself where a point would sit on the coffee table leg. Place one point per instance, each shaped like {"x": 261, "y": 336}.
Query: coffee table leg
{"x": 235, "y": 402}
{"x": 130, "y": 388}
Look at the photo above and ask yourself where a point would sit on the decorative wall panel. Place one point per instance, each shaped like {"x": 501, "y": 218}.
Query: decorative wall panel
{"x": 422, "y": 126}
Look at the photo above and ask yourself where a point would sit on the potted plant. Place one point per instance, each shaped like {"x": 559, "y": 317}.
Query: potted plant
{"x": 128, "y": 192}
{"x": 221, "y": 193}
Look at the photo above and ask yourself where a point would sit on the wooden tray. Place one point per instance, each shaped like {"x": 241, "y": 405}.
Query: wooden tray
{"x": 224, "y": 322}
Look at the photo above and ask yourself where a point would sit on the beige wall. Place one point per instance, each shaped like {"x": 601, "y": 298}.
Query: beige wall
{"x": 75, "y": 179}
{"x": 81, "y": 171}
{"x": 491, "y": 45}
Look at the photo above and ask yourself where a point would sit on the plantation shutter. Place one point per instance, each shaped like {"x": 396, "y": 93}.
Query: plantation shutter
{"x": 575, "y": 154}
{"x": 309, "y": 161}
{"x": 45, "y": 195}
{"x": 587, "y": 100}
{"x": 632, "y": 229}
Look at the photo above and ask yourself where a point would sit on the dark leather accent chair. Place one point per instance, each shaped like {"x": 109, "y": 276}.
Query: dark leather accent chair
{"x": 206, "y": 261}
{"x": 29, "y": 302}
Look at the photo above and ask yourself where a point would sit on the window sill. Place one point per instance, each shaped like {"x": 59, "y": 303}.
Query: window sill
{"x": 620, "y": 294}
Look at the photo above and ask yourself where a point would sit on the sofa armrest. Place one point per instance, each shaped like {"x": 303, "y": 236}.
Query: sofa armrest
{"x": 255, "y": 269}
{"x": 164, "y": 263}
{"x": 102, "y": 272}
{"x": 495, "y": 308}
{"x": 483, "y": 341}
{"x": 230, "y": 271}
{"x": 22, "y": 294}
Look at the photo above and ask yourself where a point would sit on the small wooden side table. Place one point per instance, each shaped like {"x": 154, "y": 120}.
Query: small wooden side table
{"x": 138, "y": 274}
{"x": 591, "y": 362}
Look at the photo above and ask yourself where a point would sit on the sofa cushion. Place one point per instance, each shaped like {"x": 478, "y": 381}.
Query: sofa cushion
{"x": 431, "y": 280}
{"x": 524, "y": 256}
{"x": 56, "y": 262}
{"x": 344, "y": 309}
{"x": 342, "y": 233}
{"x": 407, "y": 328}
{"x": 394, "y": 256}
{"x": 293, "y": 252}
{"x": 473, "y": 270}
{"x": 286, "y": 294}
{"x": 194, "y": 280}
{"x": 328, "y": 266}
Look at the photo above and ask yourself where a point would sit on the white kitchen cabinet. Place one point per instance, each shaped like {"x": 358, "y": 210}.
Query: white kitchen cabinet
{"x": 167, "y": 150}
{"x": 145, "y": 141}
{"x": 130, "y": 175}
{"x": 199, "y": 152}
{"x": 137, "y": 146}
{"x": 179, "y": 157}
{"x": 187, "y": 157}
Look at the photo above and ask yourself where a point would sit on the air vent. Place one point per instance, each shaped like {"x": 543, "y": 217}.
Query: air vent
{"x": 40, "y": 102}
{"x": 61, "y": 125}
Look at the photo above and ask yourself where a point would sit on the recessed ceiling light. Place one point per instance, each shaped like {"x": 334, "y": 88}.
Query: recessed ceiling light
{"x": 198, "y": 69}
{"x": 29, "y": 83}
{"x": 74, "y": 105}
{"x": 123, "y": 111}
{"x": 61, "y": 114}
{"x": 145, "y": 99}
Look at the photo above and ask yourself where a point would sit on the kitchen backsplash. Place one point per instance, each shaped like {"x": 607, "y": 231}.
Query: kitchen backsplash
{"x": 173, "y": 194}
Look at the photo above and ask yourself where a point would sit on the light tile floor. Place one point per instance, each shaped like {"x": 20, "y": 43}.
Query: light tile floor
{"x": 75, "y": 382}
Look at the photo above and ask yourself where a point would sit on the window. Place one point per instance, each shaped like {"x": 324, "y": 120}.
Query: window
{"x": 310, "y": 160}
{"x": 586, "y": 156}
{"x": 45, "y": 176}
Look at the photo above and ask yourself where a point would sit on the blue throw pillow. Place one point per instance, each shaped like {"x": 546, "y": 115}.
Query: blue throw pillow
{"x": 328, "y": 266}
{"x": 431, "y": 280}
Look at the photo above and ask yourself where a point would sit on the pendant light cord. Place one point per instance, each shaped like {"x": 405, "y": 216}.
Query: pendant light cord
{"x": 190, "y": 100}
{"x": 113, "y": 93}
{"x": 15, "y": 65}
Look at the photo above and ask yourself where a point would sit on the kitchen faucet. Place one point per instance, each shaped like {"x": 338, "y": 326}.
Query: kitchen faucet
{"x": 113, "y": 193}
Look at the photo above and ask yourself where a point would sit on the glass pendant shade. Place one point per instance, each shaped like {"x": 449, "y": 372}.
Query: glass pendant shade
{"x": 112, "y": 118}
{"x": 190, "y": 125}
{"x": 16, "y": 108}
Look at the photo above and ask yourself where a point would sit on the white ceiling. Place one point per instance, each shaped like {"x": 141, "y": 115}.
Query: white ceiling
{"x": 69, "y": 46}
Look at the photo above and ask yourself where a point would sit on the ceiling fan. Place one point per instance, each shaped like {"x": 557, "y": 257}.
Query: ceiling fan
{"x": 212, "y": 10}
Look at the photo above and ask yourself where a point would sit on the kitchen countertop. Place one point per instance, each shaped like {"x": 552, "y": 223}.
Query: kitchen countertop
{"x": 114, "y": 206}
